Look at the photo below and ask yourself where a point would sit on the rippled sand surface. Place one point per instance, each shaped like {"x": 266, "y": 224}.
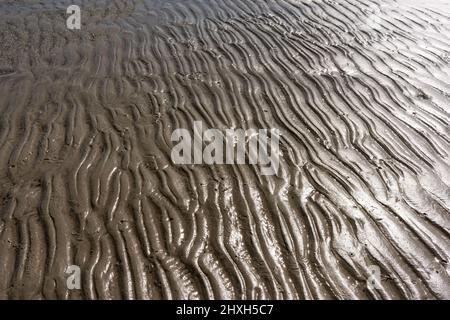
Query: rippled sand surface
{"x": 359, "y": 89}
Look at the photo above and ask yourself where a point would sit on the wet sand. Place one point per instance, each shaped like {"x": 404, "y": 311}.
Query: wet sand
{"x": 360, "y": 91}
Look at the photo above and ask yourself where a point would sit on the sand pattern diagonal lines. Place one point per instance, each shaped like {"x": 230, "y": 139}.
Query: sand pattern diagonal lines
{"x": 358, "y": 89}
